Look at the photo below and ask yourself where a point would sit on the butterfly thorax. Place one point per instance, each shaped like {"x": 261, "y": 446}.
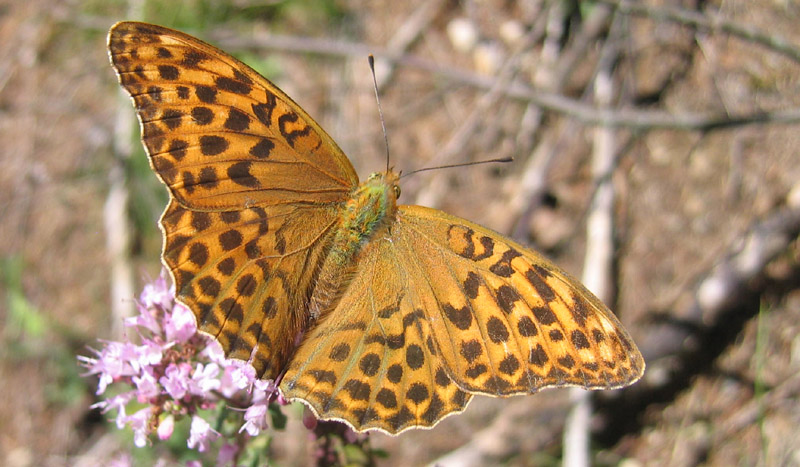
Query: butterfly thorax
{"x": 369, "y": 210}
{"x": 367, "y": 214}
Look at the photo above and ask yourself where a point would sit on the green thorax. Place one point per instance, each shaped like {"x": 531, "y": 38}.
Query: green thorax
{"x": 369, "y": 212}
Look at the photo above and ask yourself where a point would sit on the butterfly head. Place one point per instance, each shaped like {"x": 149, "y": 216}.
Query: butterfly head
{"x": 385, "y": 181}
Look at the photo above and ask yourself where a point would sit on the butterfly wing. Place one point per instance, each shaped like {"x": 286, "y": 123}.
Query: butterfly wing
{"x": 218, "y": 134}
{"x": 255, "y": 187}
{"x": 509, "y": 321}
{"x": 244, "y": 274}
{"x": 448, "y": 303}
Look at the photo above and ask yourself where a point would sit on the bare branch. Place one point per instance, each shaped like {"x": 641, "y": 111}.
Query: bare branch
{"x": 116, "y": 222}
{"x": 461, "y": 136}
{"x": 582, "y": 112}
{"x": 711, "y": 22}
{"x": 690, "y": 338}
{"x": 406, "y": 35}
{"x": 599, "y": 258}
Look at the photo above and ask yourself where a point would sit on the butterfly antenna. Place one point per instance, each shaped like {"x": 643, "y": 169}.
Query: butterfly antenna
{"x": 380, "y": 110}
{"x": 465, "y": 164}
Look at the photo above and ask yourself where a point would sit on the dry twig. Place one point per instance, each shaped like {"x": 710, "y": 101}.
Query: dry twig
{"x": 432, "y": 194}
{"x": 708, "y": 21}
{"x": 634, "y": 119}
{"x": 405, "y": 36}
{"x": 598, "y": 263}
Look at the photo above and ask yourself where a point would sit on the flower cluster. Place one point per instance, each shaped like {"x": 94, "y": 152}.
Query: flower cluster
{"x": 173, "y": 372}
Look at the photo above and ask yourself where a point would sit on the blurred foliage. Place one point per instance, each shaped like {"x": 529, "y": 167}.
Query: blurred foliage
{"x": 27, "y": 336}
{"x": 24, "y": 324}
{"x": 195, "y": 16}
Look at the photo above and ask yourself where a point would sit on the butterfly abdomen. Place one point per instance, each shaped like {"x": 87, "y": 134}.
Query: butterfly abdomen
{"x": 367, "y": 213}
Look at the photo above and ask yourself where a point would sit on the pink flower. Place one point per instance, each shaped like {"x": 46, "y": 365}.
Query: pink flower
{"x": 145, "y": 319}
{"x": 309, "y": 420}
{"x": 213, "y": 351}
{"x": 154, "y": 300}
{"x": 201, "y": 434}
{"x": 267, "y": 388}
{"x": 181, "y": 324}
{"x": 149, "y": 353}
{"x": 165, "y": 427}
{"x": 140, "y": 423}
{"x": 118, "y": 403}
{"x": 176, "y": 380}
{"x": 256, "y": 415}
{"x": 177, "y": 372}
{"x": 255, "y": 419}
{"x": 147, "y": 386}
{"x": 157, "y": 294}
{"x": 113, "y": 362}
{"x": 95, "y": 367}
{"x": 238, "y": 375}
{"x": 204, "y": 380}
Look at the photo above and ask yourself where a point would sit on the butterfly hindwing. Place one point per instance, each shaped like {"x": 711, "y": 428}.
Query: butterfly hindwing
{"x": 371, "y": 361}
{"x": 439, "y": 308}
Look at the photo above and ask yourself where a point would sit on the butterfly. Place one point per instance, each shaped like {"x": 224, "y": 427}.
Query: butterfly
{"x": 383, "y": 316}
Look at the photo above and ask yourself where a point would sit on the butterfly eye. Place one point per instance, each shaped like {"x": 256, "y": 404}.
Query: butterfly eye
{"x": 396, "y": 189}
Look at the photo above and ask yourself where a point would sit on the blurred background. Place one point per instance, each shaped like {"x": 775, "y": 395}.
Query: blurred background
{"x": 680, "y": 117}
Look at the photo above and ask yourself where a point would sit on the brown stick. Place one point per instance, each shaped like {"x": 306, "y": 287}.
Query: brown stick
{"x": 582, "y": 112}
{"x": 711, "y": 22}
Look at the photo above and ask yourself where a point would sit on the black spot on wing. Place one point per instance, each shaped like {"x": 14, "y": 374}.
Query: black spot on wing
{"x": 262, "y": 149}
{"x": 213, "y": 145}
{"x": 168, "y": 72}
{"x": 202, "y": 115}
{"x": 231, "y": 85}
{"x": 291, "y": 136}
{"x": 263, "y": 111}
{"x": 239, "y": 173}
{"x": 237, "y": 120}
{"x": 536, "y": 279}
{"x": 503, "y": 267}
{"x": 206, "y": 94}
{"x": 460, "y": 317}
{"x": 193, "y": 58}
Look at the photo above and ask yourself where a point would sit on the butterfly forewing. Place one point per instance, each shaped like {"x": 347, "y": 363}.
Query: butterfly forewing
{"x": 256, "y": 185}
{"x": 244, "y": 274}
{"x": 219, "y": 135}
{"x": 509, "y": 321}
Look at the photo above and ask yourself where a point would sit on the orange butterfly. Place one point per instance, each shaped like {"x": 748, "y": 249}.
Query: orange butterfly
{"x": 405, "y": 311}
